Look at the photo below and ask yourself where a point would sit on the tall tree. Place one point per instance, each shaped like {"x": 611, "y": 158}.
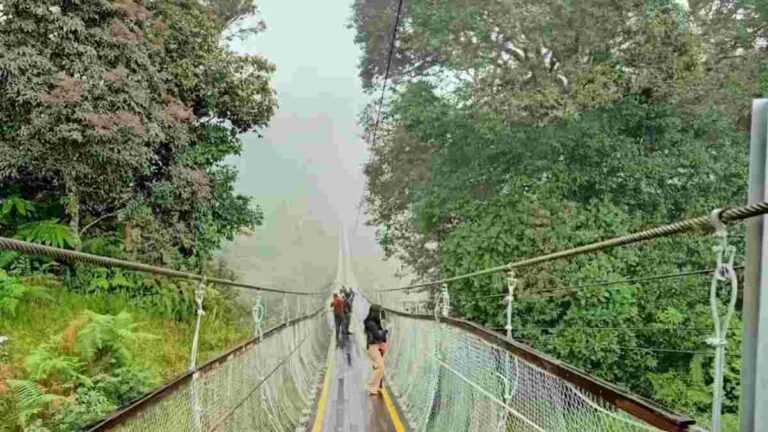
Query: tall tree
{"x": 81, "y": 105}
{"x": 234, "y": 15}
{"x": 539, "y": 60}
{"x": 128, "y": 110}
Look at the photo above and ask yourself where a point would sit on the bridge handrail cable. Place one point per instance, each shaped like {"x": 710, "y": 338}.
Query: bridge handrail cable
{"x": 36, "y": 249}
{"x": 726, "y": 216}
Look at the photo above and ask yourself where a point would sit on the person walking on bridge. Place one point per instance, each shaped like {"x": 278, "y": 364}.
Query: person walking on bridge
{"x": 349, "y": 297}
{"x": 377, "y": 347}
{"x": 338, "y": 314}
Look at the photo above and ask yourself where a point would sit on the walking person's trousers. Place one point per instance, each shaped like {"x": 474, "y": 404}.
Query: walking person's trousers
{"x": 338, "y": 321}
{"x": 377, "y": 363}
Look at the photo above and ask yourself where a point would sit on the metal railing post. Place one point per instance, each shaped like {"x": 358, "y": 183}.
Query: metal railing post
{"x": 511, "y": 284}
{"x": 445, "y": 300}
{"x": 259, "y": 313}
{"x": 754, "y": 357}
{"x": 194, "y": 397}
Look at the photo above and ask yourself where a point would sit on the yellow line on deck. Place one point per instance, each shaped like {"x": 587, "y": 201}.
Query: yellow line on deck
{"x": 318, "y": 426}
{"x": 396, "y": 422}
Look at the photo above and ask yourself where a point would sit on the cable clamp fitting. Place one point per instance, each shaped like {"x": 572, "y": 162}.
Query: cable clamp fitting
{"x": 200, "y": 296}
{"x": 511, "y": 285}
{"x": 716, "y": 342}
{"x": 716, "y": 224}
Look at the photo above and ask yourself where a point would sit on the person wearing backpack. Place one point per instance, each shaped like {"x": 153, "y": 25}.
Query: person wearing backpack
{"x": 377, "y": 347}
{"x": 337, "y": 304}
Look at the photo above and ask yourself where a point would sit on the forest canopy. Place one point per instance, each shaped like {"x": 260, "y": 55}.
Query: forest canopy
{"x": 516, "y": 128}
{"x": 117, "y": 116}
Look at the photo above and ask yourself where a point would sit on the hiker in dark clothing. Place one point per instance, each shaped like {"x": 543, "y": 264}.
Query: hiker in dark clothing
{"x": 338, "y": 314}
{"x": 377, "y": 347}
{"x": 348, "y": 298}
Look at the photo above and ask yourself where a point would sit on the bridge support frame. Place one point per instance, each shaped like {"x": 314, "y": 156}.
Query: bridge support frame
{"x": 754, "y": 370}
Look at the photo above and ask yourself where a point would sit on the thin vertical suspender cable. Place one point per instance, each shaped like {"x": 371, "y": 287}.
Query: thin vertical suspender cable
{"x": 381, "y": 100}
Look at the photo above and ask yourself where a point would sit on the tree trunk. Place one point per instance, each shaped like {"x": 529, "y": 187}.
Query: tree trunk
{"x": 73, "y": 208}
{"x": 127, "y": 236}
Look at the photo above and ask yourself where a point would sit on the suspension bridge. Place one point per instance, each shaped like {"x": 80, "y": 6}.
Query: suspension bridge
{"x": 443, "y": 373}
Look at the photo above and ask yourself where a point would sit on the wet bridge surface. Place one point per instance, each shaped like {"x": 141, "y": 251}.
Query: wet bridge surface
{"x": 344, "y": 404}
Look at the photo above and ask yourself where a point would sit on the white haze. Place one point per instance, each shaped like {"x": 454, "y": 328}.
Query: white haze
{"x": 306, "y": 171}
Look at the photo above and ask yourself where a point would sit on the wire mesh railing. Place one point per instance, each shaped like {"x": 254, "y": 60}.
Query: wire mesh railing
{"x": 449, "y": 374}
{"x": 266, "y": 384}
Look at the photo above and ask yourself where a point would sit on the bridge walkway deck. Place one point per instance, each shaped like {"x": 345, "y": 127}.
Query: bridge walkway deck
{"x": 344, "y": 404}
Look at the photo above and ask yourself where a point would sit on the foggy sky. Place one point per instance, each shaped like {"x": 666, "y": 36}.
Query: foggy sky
{"x": 306, "y": 171}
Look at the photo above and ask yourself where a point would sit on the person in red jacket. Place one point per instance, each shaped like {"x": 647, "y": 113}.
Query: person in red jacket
{"x": 338, "y": 314}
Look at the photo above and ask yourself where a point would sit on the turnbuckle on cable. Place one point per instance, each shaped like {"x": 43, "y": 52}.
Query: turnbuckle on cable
{"x": 724, "y": 271}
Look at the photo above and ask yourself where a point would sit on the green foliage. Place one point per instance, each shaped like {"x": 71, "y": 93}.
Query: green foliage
{"x": 7, "y": 258}
{"x": 49, "y": 233}
{"x": 688, "y": 391}
{"x": 233, "y": 14}
{"x": 91, "y": 359}
{"x": 13, "y": 291}
{"x": 89, "y": 406}
{"x": 47, "y": 366}
{"x": 32, "y": 400}
{"x": 140, "y": 112}
{"x": 125, "y": 384}
{"x": 109, "y": 245}
{"x": 97, "y": 350}
{"x": 520, "y": 128}
{"x": 103, "y": 339}
{"x": 537, "y": 60}
{"x": 15, "y": 205}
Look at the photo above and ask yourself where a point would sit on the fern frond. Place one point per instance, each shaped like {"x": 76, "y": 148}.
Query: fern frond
{"x": 44, "y": 365}
{"x": 31, "y": 399}
{"x": 7, "y": 258}
{"x": 48, "y": 232}
{"x": 17, "y": 203}
{"x": 108, "y": 335}
{"x": 110, "y": 245}
{"x": 37, "y": 292}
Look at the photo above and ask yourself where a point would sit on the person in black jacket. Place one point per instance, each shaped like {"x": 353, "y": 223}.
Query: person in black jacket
{"x": 349, "y": 297}
{"x": 377, "y": 347}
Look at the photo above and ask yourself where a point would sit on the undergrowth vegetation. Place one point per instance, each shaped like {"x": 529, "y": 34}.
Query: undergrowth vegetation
{"x": 73, "y": 356}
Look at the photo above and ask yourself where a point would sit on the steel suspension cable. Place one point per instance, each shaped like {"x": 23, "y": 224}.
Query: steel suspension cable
{"x": 386, "y": 72}
{"x": 604, "y": 283}
{"x": 631, "y": 348}
{"x": 35, "y": 249}
{"x": 628, "y": 328}
{"x": 628, "y": 281}
{"x": 374, "y": 133}
{"x": 727, "y": 216}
